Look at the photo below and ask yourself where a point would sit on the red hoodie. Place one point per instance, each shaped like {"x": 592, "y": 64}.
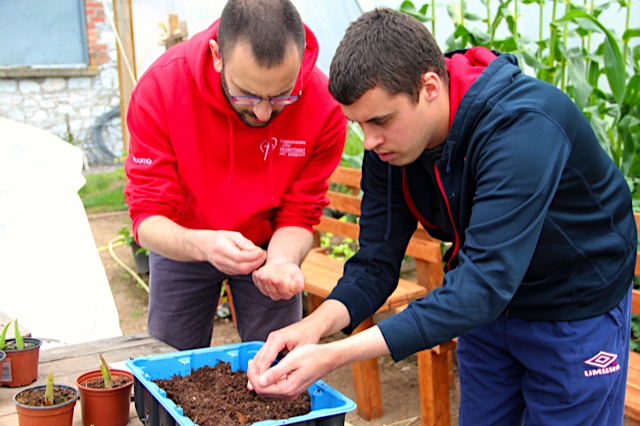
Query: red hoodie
{"x": 192, "y": 160}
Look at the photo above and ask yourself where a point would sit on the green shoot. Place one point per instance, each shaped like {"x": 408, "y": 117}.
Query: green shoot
{"x": 48, "y": 393}
{"x": 106, "y": 373}
{"x": 3, "y": 336}
{"x": 19, "y": 339}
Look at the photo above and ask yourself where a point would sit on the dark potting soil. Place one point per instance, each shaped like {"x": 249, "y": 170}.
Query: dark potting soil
{"x": 219, "y": 397}
{"x": 35, "y": 397}
{"x": 116, "y": 382}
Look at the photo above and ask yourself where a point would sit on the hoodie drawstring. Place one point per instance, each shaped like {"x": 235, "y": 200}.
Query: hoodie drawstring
{"x": 388, "y": 231}
{"x": 449, "y": 149}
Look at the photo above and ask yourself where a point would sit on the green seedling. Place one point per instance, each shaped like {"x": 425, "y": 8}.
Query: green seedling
{"x": 48, "y": 393}
{"x": 106, "y": 373}
{"x": 19, "y": 338}
{"x": 3, "y": 336}
{"x": 16, "y": 332}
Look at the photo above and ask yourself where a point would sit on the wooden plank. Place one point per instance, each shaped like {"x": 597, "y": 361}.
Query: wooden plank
{"x": 433, "y": 377}
{"x": 635, "y": 302}
{"x": 346, "y": 176}
{"x": 68, "y": 362}
{"x": 366, "y": 381}
{"x": 323, "y": 272}
{"x": 337, "y": 227}
{"x": 127, "y": 74}
{"x": 344, "y": 202}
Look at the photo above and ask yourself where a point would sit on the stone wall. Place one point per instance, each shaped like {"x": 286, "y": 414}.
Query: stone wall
{"x": 69, "y": 101}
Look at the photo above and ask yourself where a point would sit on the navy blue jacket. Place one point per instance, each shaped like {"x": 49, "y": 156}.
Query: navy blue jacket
{"x": 539, "y": 218}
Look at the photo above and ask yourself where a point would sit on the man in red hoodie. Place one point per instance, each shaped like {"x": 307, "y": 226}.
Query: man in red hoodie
{"x": 233, "y": 137}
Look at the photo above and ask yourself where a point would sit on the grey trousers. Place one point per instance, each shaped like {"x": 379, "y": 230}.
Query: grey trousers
{"x": 183, "y": 298}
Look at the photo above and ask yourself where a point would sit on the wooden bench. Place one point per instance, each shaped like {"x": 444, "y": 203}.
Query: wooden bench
{"x": 323, "y": 272}
{"x": 632, "y": 399}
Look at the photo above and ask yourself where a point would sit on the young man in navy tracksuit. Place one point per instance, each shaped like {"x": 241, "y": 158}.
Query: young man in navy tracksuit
{"x": 543, "y": 240}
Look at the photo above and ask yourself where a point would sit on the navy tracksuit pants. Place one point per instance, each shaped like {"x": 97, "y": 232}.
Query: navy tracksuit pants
{"x": 540, "y": 373}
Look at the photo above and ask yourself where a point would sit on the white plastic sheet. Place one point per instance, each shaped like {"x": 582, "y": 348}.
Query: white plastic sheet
{"x": 51, "y": 276}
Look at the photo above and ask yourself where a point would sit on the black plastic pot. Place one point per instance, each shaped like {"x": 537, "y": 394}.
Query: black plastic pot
{"x": 141, "y": 258}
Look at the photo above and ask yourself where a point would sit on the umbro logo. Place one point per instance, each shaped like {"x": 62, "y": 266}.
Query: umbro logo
{"x": 605, "y": 363}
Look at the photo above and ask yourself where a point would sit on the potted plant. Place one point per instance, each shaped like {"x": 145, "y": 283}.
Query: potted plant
{"x": 140, "y": 254}
{"x": 105, "y": 396}
{"x": 46, "y": 405}
{"x": 20, "y": 366}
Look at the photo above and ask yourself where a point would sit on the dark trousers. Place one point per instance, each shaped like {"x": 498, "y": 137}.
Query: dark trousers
{"x": 519, "y": 372}
{"x": 183, "y": 298}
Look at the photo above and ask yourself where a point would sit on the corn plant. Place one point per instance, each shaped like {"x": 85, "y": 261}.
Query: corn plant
{"x": 596, "y": 67}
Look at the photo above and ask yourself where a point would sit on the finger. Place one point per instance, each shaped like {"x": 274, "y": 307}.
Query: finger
{"x": 267, "y": 354}
{"x": 275, "y": 374}
{"x": 251, "y": 374}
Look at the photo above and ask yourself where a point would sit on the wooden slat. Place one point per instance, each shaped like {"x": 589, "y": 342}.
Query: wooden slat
{"x": 632, "y": 398}
{"x": 346, "y": 176}
{"x": 323, "y": 272}
{"x": 344, "y": 202}
{"x": 338, "y": 227}
{"x": 366, "y": 381}
{"x": 635, "y": 302}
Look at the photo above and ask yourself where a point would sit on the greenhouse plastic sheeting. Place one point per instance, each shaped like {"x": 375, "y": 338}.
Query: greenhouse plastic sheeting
{"x": 51, "y": 276}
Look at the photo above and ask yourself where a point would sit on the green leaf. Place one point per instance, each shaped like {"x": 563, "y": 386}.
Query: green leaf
{"x": 19, "y": 339}
{"x": 409, "y": 8}
{"x": 614, "y": 64}
{"x": 630, "y": 33}
{"x": 106, "y": 372}
{"x": 48, "y": 393}
{"x": 3, "y": 336}
{"x": 532, "y": 61}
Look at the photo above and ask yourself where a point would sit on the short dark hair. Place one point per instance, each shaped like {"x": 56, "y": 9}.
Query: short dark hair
{"x": 384, "y": 48}
{"x": 267, "y": 25}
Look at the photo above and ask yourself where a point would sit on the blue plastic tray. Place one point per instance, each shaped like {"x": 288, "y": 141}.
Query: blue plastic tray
{"x": 328, "y": 406}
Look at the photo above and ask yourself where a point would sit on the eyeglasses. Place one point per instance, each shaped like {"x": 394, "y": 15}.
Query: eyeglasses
{"x": 255, "y": 100}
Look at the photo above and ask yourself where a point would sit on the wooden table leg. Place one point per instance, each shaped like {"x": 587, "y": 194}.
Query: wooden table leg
{"x": 433, "y": 375}
{"x": 366, "y": 380}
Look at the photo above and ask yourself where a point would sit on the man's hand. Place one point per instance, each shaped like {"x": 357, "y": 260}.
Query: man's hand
{"x": 233, "y": 254}
{"x": 283, "y": 340}
{"x": 279, "y": 281}
{"x": 293, "y": 374}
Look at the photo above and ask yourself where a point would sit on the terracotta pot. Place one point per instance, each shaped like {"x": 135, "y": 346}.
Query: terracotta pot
{"x": 104, "y": 407}
{"x": 20, "y": 367}
{"x": 55, "y": 415}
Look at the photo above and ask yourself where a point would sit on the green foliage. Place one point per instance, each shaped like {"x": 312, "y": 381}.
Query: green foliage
{"x": 339, "y": 247}
{"x": 103, "y": 192}
{"x": 595, "y": 66}
{"x": 353, "y": 148}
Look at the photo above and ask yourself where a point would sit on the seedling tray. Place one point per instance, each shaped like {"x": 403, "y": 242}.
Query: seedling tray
{"x": 328, "y": 406}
